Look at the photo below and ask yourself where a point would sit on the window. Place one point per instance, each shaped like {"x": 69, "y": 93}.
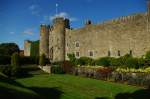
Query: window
{"x": 77, "y": 44}
{"x": 130, "y": 52}
{"x": 91, "y": 53}
{"x": 77, "y": 54}
{"x": 109, "y": 54}
{"x": 118, "y": 52}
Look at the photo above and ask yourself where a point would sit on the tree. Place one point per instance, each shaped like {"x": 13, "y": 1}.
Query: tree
{"x": 15, "y": 63}
{"x": 7, "y": 49}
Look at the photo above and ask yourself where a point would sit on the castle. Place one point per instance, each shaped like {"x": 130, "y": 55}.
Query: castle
{"x": 117, "y": 37}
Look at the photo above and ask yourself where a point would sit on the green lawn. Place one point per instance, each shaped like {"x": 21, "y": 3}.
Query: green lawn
{"x": 54, "y": 86}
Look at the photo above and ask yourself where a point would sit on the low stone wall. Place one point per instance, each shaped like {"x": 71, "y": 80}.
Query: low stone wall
{"x": 46, "y": 68}
{"x": 141, "y": 79}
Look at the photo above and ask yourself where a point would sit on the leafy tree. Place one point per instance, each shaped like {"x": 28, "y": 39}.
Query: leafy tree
{"x": 15, "y": 63}
{"x": 7, "y": 49}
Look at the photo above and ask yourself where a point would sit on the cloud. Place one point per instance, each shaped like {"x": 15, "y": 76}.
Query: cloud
{"x": 28, "y": 31}
{"x": 11, "y": 32}
{"x": 35, "y": 9}
{"x": 64, "y": 15}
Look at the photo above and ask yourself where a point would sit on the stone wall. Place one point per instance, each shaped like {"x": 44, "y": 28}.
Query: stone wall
{"x": 115, "y": 38}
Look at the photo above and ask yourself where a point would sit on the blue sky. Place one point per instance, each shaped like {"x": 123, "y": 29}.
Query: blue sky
{"x": 20, "y": 19}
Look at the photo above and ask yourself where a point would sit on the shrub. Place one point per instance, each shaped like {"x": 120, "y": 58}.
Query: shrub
{"x": 29, "y": 60}
{"x": 67, "y": 67}
{"x": 15, "y": 64}
{"x": 103, "y": 73}
{"x": 132, "y": 63}
{"x": 147, "y": 55}
{"x": 42, "y": 60}
{"x": 6, "y": 70}
{"x": 85, "y": 61}
{"x": 115, "y": 62}
{"x": 57, "y": 69}
{"x": 5, "y": 59}
{"x": 105, "y": 61}
{"x": 72, "y": 59}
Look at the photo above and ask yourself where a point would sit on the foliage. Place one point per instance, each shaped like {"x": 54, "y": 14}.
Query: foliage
{"x": 35, "y": 48}
{"x": 72, "y": 59}
{"x": 104, "y": 61}
{"x": 67, "y": 67}
{"x": 103, "y": 73}
{"x": 85, "y": 61}
{"x": 7, "y": 49}
{"x": 57, "y": 69}
{"x": 15, "y": 63}
{"x": 147, "y": 55}
{"x": 42, "y": 60}
{"x": 5, "y": 59}
{"x": 6, "y": 70}
{"x": 29, "y": 60}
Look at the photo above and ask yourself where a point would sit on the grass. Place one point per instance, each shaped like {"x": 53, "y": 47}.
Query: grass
{"x": 40, "y": 85}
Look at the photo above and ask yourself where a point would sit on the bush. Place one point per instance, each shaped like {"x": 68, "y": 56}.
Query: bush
{"x": 132, "y": 62}
{"x": 29, "y": 60}
{"x": 15, "y": 64}
{"x": 5, "y": 59}
{"x": 67, "y": 67}
{"x": 147, "y": 55}
{"x": 6, "y": 70}
{"x": 57, "y": 69}
{"x": 72, "y": 59}
{"x": 103, "y": 73}
{"x": 105, "y": 61}
{"x": 115, "y": 62}
{"x": 85, "y": 61}
{"x": 42, "y": 60}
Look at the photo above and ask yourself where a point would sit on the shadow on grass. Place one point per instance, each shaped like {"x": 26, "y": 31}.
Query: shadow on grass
{"x": 139, "y": 94}
{"x": 15, "y": 90}
{"x": 47, "y": 93}
{"x": 40, "y": 93}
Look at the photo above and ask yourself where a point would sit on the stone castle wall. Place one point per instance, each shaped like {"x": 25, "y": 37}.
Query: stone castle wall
{"x": 113, "y": 38}
{"x": 117, "y": 37}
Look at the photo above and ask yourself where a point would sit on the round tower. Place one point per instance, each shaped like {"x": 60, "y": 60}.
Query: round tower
{"x": 44, "y": 40}
{"x": 58, "y": 34}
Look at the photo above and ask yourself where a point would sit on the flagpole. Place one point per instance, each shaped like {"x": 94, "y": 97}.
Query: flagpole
{"x": 56, "y": 9}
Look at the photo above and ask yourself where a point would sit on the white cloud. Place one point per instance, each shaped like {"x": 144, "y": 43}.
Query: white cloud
{"x": 64, "y": 15}
{"x": 11, "y": 32}
{"x": 35, "y": 9}
{"x": 28, "y": 31}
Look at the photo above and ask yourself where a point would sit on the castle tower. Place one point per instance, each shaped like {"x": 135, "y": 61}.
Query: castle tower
{"x": 27, "y": 48}
{"x": 148, "y": 16}
{"x": 57, "y": 44}
{"x": 44, "y": 40}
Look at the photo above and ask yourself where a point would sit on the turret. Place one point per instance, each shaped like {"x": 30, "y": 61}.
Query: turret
{"x": 57, "y": 50}
{"x": 44, "y": 40}
{"x": 27, "y": 47}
